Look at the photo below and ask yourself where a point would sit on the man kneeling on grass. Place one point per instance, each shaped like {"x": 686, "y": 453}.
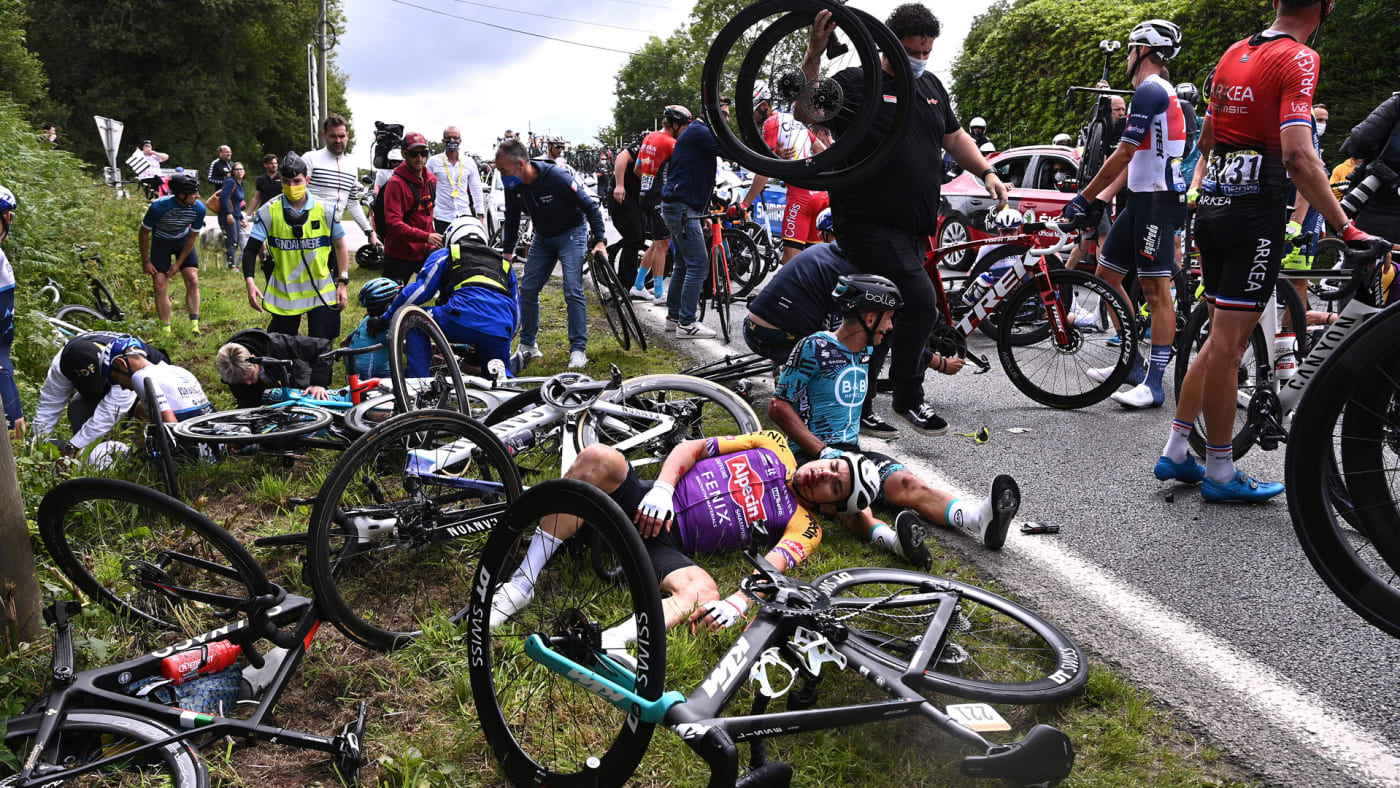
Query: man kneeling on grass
{"x": 817, "y": 402}
{"x": 692, "y": 508}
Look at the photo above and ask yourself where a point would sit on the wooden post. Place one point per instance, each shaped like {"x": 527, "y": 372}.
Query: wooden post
{"x": 20, "y": 619}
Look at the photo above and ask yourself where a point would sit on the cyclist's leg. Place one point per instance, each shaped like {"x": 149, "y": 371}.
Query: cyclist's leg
{"x": 1117, "y": 257}
{"x": 190, "y": 273}
{"x": 538, "y": 267}
{"x": 163, "y": 255}
{"x": 1159, "y": 215}
{"x": 687, "y": 586}
{"x": 571, "y": 250}
{"x": 794, "y": 221}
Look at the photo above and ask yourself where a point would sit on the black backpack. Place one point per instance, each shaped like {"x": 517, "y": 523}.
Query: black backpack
{"x": 420, "y": 202}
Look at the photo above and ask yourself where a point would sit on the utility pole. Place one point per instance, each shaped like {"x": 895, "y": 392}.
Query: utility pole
{"x": 325, "y": 40}
{"x": 19, "y": 585}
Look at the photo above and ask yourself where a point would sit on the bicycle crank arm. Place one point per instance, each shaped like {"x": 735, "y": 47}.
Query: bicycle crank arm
{"x": 652, "y": 711}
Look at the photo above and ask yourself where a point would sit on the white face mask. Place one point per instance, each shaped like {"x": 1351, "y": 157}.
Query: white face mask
{"x": 917, "y": 66}
{"x": 1321, "y": 127}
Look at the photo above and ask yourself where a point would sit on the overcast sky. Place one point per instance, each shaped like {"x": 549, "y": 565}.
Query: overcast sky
{"x": 429, "y": 70}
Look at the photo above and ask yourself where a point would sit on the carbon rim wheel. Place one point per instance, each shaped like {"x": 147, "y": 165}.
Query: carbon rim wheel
{"x": 398, "y": 525}
{"x": 422, "y": 364}
{"x": 263, "y": 425}
{"x": 747, "y": 265}
{"x": 158, "y": 442}
{"x": 146, "y": 556}
{"x": 992, "y": 650}
{"x": 85, "y": 736}
{"x": 719, "y": 279}
{"x": 608, "y": 300}
{"x": 1054, "y": 374}
{"x": 542, "y": 726}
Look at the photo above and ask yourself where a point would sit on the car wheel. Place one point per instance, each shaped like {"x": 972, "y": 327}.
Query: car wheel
{"x": 954, "y": 232}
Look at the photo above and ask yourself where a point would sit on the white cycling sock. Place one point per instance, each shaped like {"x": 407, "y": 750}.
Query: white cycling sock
{"x": 620, "y": 635}
{"x": 536, "y": 556}
{"x": 1179, "y": 442}
{"x": 968, "y": 516}
{"x": 1220, "y": 463}
{"x": 885, "y": 537}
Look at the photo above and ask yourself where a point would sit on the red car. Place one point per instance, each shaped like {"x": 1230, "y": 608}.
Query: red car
{"x": 1040, "y": 178}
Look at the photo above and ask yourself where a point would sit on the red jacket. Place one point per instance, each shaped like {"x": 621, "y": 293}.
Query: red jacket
{"x": 406, "y": 236}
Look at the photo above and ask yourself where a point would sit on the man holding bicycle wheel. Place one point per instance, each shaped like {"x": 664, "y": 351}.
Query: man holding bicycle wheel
{"x": 884, "y": 220}
{"x": 1257, "y": 137}
{"x": 1142, "y": 240}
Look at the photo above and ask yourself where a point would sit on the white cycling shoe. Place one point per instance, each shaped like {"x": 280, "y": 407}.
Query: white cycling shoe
{"x": 1139, "y": 396}
{"x": 509, "y": 600}
{"x": 1083, "y": 318}
{"x": 615, "y": 642}
{"x": 1099, "y": 374}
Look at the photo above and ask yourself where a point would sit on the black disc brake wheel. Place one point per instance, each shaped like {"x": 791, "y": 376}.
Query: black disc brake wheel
{"x": 264, "y": 425}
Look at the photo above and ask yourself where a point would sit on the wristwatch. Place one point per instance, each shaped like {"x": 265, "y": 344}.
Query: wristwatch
{"x": 343, "y": 279}
{"x": 986, "y": 172}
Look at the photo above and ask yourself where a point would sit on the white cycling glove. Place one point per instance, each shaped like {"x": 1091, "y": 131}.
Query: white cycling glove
{"x": 728, "y": 611}
{"x": 658, "y": 502}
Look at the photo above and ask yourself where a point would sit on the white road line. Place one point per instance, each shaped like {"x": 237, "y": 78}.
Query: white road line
{"x": 1309, "y": 720}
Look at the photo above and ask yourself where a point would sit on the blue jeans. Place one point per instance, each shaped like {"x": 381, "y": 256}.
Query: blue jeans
{"x": 692, "y": 261}
{"x": 545, "y": 252}
{"x": 459, "y": 333}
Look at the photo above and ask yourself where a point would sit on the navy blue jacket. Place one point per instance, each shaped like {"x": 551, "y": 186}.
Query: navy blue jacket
{"x": 690, "y": 177}
{"x": 556, "y": 204}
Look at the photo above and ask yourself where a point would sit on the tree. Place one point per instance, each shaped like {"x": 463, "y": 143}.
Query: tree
{"x": 188, "y": 74}
{"x": 24, "y": 78}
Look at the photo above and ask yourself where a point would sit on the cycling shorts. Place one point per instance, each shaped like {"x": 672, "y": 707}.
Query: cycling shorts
{"x": 1242, "y": 247}
{"x": 885, "y": 464}
{"x": 1141, "y": 239}
{"x": 164, "y": 253}
{"x": 800, "y": 216}
{"x": 656, "y": 229}
{"x": 667, "y": 554}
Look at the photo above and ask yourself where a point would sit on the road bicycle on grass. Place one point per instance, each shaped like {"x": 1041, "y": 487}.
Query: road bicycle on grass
{"x": 1042, "y": 350}
{"x": 74, "y": 319}
{"x": 156, "y": 562}
{"x": 559, "y": 708}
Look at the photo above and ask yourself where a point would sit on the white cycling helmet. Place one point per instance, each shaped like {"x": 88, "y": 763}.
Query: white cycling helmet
{"x": 824, "y": 223}
{"x": 1007, "y": 220}
{"x": 988, "y": 147}
{"x": 465, "y": 228}
{"x": 865, "y": 483}
{"x": 978, "y": 123}
{"x": 1159, "y": 35}
{"x": 761, "y": 93}
{"x": 1062, "y": 139}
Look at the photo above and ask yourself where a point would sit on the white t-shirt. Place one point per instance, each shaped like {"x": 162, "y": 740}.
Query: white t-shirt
{"x": 336, "y": 183}
{"x": 177, "y": 390}
{"x": 458, "y": 187}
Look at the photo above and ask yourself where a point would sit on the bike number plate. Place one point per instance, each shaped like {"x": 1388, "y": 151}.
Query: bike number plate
{"x": 979, "y": 717}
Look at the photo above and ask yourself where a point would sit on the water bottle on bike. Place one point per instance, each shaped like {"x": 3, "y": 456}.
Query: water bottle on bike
{"x": 978, "y": 288}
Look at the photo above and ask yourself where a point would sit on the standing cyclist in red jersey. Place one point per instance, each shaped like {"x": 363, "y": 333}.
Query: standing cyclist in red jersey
{"x": 1257, "y": 137}
{"x": 649, "y": 163}
{"x": 790, "y": 139}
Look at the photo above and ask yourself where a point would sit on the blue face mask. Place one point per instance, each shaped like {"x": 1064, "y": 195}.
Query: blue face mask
{"x": 452, "y": 144}
{"x": 510, "y": 181}
{"x": 917, "y": 66}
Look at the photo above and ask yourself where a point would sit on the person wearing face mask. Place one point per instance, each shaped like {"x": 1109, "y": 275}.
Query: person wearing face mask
{"x": 1320, "y": 115}
{"x": 884, "y": 220}
{"x": 300, "y": 233}
{"x": 458, "y": 183}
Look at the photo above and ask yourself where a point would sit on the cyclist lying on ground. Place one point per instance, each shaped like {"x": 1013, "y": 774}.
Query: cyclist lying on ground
{"x": 75, "y": 381}
{"x": 708, "y": 496}
{"x": 476, "y": 296}
{"x": 248, "y": 380}
{"x": 817, "y": 403}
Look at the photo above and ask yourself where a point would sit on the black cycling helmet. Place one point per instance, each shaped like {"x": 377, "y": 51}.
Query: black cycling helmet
{"x": 184, "y": 183}
{"x": 859, "y": 293}
{"x": 675, "y": 113}
{"x": 1188, "y": 93}
{"x": 370, "y": 257}
{"x": 292, "y": 165}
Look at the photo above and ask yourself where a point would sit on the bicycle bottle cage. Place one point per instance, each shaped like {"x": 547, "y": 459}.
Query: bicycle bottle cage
{"x": 816, "y": 649}
{"x": 771, "y": 657}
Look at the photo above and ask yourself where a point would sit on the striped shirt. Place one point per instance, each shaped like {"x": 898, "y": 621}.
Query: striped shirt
{"x": 168, "y": 220}
{"x": 335, "y": 181}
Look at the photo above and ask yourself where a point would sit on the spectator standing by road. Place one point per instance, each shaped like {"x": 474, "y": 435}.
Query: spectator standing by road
{"x": 623, "y": 201}
{"x": 231, "y": 213}
{"x": 300, "y": 233}
{"x": 332, "y": 179}
{"x": 151, "y": 177}
{"x": 458, "y": 183}
{"x": 220, "y": 167}
{"x": 884, "y": 220}
{"x": 1376, "y": 141}
{"x": 269, "y": 184}
{"x": 690, "y": 181}
{"x": 408, "y": 198}
{"x": 175, "y": 221}
{"x": 564, "y": 214}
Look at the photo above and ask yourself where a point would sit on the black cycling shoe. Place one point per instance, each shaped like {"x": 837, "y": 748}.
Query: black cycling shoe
{"x": 923, "y": 420}
{"x": 1006, "y": 501}
{"x": 910, "y": 528}
{"x": 876, "y": 427}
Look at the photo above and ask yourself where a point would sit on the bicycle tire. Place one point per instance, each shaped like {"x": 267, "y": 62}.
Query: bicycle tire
{"x": 97, "y": 732}
{"x": 770, "y": 253}
{"x": 737, "y": 419}
{"x": 630, "y": 322}
{"x": 994, "y": 650}
{"x": 719, "y": 277}
{"x": 521, "y": 724}
{"x": 158, "y": 543}
{"x": 159, "y": 435}
{"x": 1021, "y": 361}
{"x": 445, "y": 375}
{"x": 84, "y": 317}
{"x": 1359, "y": 374}
{"x": 1092, "y": 160}
{"x": 1254, "y": 365}
{"x": 608, "y": 299}
{"x": 747, "y": 266}
{"x": 266, "y": 424}
{"x": 382, "y": 555}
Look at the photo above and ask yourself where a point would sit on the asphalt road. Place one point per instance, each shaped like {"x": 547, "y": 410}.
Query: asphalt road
{"x": 1213, "y": 608}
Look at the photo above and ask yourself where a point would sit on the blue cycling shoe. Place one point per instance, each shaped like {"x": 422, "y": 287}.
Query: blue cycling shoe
{"x": 1188, "y": 470}
{"x": 1242, "y": 488}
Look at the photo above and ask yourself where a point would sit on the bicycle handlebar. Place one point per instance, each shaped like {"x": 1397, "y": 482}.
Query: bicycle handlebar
{"x": 1062, "y": 229}
{"x": 342, "y": 352}
{"x": 278, "y": 363}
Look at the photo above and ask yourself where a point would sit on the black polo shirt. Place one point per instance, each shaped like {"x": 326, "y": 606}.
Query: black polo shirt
{"x": 903, "y": 192}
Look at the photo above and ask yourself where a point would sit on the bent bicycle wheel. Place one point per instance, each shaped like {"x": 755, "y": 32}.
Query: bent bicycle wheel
{"x": 1056, "y": 374}
{"x": 992, "y": 650}
{"x": 85, "y": 736}
{"x": 398, "y": 524}
{"x": 146, "y": 556}
{"x": 422, "y": 364}
{"x": 544, "y": 727}
{"x": 267, "y": 424}
{"x": 719, "y": 280}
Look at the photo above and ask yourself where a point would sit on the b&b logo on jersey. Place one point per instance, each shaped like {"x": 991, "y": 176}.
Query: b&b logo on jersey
{"x": 742, "y": 487}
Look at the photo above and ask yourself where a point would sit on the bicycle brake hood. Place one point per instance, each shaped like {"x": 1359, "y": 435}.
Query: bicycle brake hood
{"x": 1043, "y": 758}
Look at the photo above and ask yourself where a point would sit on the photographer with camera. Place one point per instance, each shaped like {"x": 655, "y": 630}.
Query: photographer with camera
{"x": 1374, "y": 197}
